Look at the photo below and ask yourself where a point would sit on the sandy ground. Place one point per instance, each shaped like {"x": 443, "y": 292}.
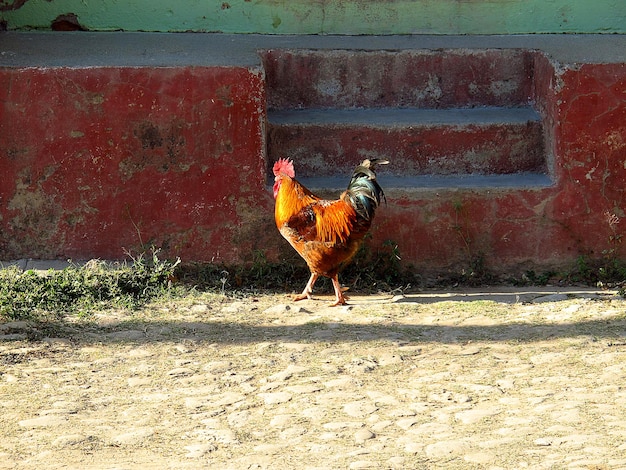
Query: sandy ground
{"x": 507, "y": 379}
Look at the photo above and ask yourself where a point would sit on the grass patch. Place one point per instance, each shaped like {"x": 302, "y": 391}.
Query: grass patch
{"x": 82, "y": 289}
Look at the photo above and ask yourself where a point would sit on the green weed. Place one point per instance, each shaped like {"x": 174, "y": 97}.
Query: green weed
{"x": 82, "y": 289}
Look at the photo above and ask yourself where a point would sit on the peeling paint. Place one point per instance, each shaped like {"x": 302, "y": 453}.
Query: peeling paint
{"x": 14, "y": 5}
{"x": 33, "y": 218}
{"x": 82, "y": 173}
{"x": 67, "y": 22}
{"x": 95, "y": 160}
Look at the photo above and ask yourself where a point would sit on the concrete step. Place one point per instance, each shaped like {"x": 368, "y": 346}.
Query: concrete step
{"x": 442, "y": 142}
{"x": 420, "y": 78}
{"x": 116, "y": 141}
{"x": 331, "y": 186}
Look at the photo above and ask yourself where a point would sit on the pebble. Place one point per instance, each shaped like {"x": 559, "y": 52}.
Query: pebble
{"x": 397, "y": 462}
{"x": 341, "y": 382}
{"x": 475, "y": 415}
{"x": 363, "y": 464}
{"x": 134, "y": 437}
{"x": 138, "y": 382}
{"x": 281, "y": 421}
{"x": 480, "y": 458}
{"x": 445, "y": 449}
{"x": 280, "y": 376}
{"x": 413, "y": 448}
{"x": 196, "y": 451}
{"x": 275, "y": 398}
{"x": 46, "y": 421}
{"x": 363, "y": 435}
{"x": 359, "y": 409}
{"x": 68, "y": 440}
{"x": 406, "y": 423}
{"x": 389, "y": 359}
{"x": 238, "y": 419}
{"x": 543, "y": 442}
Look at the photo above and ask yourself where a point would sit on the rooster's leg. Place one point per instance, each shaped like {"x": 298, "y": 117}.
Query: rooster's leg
{"x": 308, "y": 290}
{"x": 340, "y": 299}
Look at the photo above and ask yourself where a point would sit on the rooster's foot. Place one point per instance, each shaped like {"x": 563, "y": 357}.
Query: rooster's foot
{"x": 340, "y": 301}
{"x": 301, "y": 297}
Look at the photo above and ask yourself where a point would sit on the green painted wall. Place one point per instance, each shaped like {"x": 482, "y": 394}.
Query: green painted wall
{"x": 326, "y": 16}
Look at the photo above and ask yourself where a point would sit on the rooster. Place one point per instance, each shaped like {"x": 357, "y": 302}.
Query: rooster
{"x": 327, "y": 234}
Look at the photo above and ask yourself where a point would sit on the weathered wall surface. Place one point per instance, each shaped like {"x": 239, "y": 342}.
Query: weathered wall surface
{"x": 578, "y": 216}
{"x": 95, "y": 160}
{"x": 98, "y": 160}
{"x": 591, "y": 149}
{"x": 321, "y": 16}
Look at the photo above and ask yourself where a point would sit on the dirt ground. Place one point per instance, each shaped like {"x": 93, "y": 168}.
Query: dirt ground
{"x": 511, "y": 379}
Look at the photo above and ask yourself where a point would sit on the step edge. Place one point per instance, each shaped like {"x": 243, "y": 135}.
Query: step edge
{"x": 391, "y": 117}
{"x": 517, "y": 181}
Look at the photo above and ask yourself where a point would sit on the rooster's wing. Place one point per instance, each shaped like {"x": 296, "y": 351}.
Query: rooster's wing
{"x": 328, "y": 222}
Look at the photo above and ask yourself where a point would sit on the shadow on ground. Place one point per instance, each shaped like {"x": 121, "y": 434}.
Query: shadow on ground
{"x": 399, "y": 319}
{"x": 230, "y": 333}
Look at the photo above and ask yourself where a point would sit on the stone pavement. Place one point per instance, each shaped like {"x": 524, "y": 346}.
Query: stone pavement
{"x": 507, "y": 379}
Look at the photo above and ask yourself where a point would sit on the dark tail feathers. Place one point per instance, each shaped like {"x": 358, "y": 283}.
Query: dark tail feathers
{"x": 364, "y": 192}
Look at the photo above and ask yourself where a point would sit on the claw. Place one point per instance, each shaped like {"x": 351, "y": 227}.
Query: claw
{"x": 340, "y": 299}
{"x": 308, "y": 289}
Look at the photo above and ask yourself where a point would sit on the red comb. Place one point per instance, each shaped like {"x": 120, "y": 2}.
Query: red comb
{"x": 284, "y": 165}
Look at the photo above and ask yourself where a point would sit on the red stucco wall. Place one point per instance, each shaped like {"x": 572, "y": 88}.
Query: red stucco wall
{"x": 584, "y": 112}
{"x": 96, "y": 161}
